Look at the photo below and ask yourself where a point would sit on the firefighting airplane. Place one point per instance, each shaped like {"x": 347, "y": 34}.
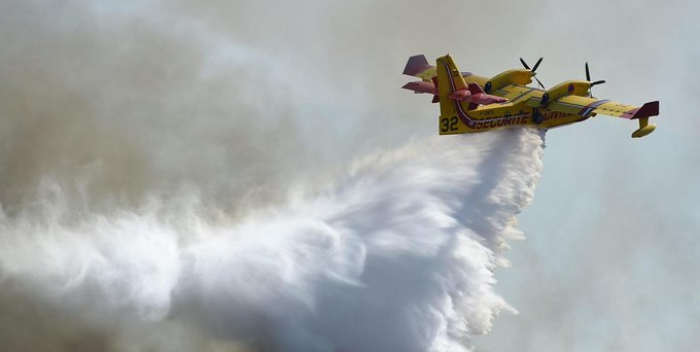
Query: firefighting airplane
{"x": 470, "y": 103}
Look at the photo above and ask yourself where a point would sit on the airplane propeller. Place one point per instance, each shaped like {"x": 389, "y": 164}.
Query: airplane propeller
{"x": 533, "y": 69}
{"x": 588, "y": 78}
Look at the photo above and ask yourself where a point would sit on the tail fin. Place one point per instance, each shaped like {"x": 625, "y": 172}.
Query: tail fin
{"x": 449, "y": 80}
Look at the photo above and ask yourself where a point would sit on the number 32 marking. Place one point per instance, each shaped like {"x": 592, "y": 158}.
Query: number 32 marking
{"x": 448, "y": 124}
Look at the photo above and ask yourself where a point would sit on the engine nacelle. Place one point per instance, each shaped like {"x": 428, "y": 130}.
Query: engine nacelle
{"x": 521, "y": 77}
{"x": 580, "y": 88}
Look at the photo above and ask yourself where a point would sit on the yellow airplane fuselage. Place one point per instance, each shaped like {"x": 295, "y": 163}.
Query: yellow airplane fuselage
{"x": 486, "y": 118}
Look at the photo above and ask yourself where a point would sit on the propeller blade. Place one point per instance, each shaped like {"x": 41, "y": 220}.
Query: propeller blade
{"x": 524, "y": 64}
{"x": 537, "y": 64}
{"x": 533, "y": 69}
{"x": 597, "y": 82}
{"x": 588, "y": 73}
{"x": 540, "y": 83}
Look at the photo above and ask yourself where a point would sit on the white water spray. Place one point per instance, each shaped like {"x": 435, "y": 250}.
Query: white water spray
{"x": 396, "y": 254}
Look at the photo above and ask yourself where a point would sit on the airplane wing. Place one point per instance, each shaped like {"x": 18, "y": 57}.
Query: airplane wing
{"x": 585, "y": 106}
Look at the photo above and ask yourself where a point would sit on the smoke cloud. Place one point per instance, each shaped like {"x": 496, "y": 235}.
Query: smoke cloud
{"x": 128, "y": 107}
{"x": 168, "y": 185}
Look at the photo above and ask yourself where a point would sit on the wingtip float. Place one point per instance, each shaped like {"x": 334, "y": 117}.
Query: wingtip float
{"x": 471, "y": 103}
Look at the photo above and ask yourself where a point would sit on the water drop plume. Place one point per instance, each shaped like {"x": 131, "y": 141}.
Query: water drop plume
{"x": 394, "y": 252}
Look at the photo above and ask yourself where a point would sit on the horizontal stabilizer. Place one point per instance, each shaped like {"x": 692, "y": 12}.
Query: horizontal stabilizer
{"x": 421, "y": 87}
{"x": 486, "y": 99}
{"x": 475, "y": 95}
{"x": 475, "y": 89}
{"x": 416, "y": 64}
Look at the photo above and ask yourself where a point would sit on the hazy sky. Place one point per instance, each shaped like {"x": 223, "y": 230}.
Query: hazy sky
{"x": 610, "y": 259}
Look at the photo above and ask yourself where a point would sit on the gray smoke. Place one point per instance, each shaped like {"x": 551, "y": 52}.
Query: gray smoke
{"x": 176, "y": 178}
{"x": 178, "y": 114}
{"x": 127, "y": 107}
